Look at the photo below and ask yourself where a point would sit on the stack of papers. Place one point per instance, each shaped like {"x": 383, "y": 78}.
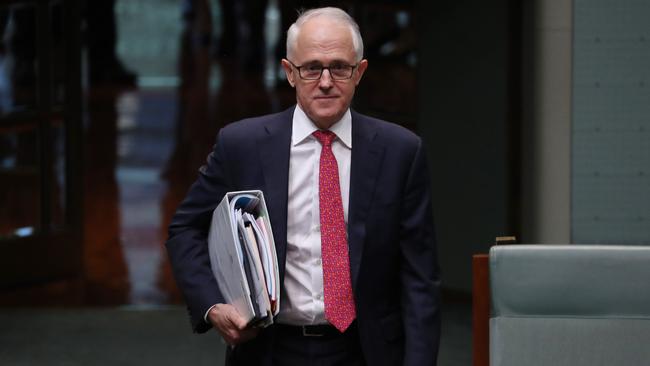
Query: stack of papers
{"x": 243, "y": 257}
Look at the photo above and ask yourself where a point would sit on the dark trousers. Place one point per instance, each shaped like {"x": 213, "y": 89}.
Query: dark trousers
{"x": 281, "y": 345}
{"x": 291, "y": 348}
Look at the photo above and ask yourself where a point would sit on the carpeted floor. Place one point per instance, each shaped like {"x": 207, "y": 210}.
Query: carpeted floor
{"x": 152, "y": 336}
{"x": 67, "y": 337}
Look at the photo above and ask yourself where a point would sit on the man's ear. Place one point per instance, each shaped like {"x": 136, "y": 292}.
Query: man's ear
{"x": 288, "y": 70}
{"x": 363, "y": 65}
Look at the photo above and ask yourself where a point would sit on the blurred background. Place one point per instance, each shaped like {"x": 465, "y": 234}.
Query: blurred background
{"x": 535, "y": 115}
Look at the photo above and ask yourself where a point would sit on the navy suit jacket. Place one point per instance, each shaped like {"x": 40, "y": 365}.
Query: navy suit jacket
{"x": 392, "y": 248}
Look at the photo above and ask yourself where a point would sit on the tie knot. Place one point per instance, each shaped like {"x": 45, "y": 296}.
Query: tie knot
{"x": 325, "y": 137}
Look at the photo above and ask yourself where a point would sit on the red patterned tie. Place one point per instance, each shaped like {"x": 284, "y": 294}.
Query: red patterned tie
{"x": 339, "y": 301}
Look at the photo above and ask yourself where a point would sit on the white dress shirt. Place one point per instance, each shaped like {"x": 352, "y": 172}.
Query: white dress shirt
{"x": 302, "y": 301}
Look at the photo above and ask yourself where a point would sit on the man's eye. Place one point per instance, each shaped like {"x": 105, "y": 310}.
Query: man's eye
{"x": 314, "y": 68}
{"x": 338, "y": 67}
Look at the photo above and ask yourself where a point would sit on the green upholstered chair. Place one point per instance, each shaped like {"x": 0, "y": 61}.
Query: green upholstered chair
{"x": 569, "y": 305}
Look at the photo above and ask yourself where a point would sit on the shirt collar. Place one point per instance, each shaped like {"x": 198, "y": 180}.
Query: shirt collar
{"x": 303, "y": 127}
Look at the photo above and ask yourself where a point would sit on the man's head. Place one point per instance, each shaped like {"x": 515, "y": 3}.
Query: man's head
{"x": 324, "y": 63}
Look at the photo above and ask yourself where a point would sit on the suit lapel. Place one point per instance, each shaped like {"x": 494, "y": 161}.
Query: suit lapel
{"x": 274, "y": 149}
{"x": 367, "y": 154}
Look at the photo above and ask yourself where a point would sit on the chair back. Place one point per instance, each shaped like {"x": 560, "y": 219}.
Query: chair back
{"x": 570, "y": 305}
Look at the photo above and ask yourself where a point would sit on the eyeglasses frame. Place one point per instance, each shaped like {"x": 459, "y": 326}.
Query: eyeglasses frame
{"x": 323, "y": 69}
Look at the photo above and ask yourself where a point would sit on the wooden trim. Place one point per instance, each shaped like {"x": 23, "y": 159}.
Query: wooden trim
{"x": 480, "y": 310}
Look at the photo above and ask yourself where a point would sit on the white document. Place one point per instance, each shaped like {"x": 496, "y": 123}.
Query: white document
{"x": 243, "y": 256}
{"x": 266, "y": 257}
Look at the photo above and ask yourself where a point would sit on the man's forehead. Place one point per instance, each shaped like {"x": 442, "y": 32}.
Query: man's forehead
{"x": 317, "y": 56}
{"x": 324, "y": 30}
{"x": 321, "y": 38}
{"x": 318, "y": 61}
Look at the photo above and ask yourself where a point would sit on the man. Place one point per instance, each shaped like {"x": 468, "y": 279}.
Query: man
{"x": 349, "y": 202}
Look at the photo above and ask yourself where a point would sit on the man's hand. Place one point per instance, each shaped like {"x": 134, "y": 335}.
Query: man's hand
{"x": 232, "y": 327}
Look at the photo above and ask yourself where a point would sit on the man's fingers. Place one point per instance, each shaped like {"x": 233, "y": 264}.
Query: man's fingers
{"x": 232, "y": 316}
{"x": 233, "y": 337}
{"x": 230, "y": 324}
{"x": 237, "y": 320}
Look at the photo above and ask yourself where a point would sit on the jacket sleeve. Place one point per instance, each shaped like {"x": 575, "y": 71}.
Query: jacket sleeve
{"x": 419, "y": 268}
{"x": 187, "y": 244}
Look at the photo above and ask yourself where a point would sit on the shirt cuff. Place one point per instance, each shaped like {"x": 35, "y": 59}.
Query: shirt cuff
{"x": 205, "y": 317}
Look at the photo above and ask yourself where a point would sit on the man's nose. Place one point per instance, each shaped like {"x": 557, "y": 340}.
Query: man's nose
{"x": 325, "y": 80}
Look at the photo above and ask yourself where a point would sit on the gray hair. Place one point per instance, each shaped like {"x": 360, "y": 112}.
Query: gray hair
{"x": 331, "y": 13}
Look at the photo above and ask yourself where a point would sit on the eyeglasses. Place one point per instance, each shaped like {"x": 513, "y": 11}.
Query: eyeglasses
{"x": 314, "y": 71}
